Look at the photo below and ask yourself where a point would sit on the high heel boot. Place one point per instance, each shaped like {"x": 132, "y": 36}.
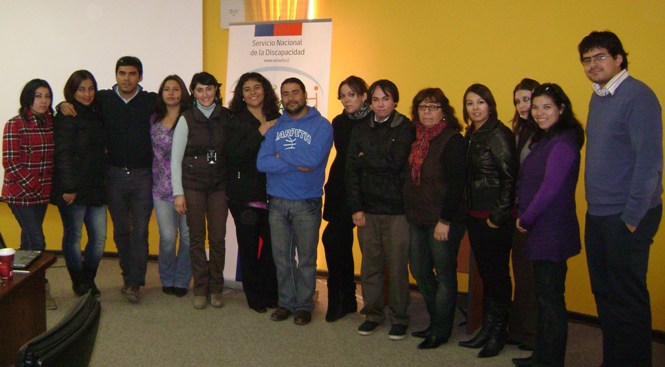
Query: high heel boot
{"x": 498, "y": 333}
{"x": 480, "y": 339}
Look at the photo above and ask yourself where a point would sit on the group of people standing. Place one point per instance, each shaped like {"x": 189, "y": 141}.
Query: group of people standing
{"x": 411, "y": 185}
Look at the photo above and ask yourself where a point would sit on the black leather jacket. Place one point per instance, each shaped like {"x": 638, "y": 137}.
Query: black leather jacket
{"x": 491, "y": 170}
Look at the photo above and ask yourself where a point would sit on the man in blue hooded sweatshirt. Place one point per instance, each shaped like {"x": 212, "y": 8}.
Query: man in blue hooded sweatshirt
{"x": 294, "y": 154}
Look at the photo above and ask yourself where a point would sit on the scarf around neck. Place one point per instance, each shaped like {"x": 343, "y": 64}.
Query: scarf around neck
{"x": 420, "y": 147}
{"x": 363, "y": 111}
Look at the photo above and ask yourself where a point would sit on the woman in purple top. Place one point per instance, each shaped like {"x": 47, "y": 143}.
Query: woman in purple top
{"x": 175, "y": 270}
{"x": 546, "y": 209}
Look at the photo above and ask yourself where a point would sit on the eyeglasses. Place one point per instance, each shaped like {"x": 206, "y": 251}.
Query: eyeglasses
{"x": 597, "y": 57}
{"x": 430, "y": 107}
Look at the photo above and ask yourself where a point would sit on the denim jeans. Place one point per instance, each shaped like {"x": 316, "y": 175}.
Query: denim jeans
{"x": 73, "y": 217}
{"x": 30, "y": 219}
{"x": 618, "y": 261}
{"x": 175, "y": 267}
{"x": 294, "y": 226}
{"x": 434, "y": 266}
{"x": 552, "y": 324}
{"x": 129, "y": 195}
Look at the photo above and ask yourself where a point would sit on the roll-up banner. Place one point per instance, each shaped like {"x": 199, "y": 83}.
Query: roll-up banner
{"x": 277, "y": 50}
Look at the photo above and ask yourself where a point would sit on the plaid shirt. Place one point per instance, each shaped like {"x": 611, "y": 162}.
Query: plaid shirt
{"x": 27, "y": 156}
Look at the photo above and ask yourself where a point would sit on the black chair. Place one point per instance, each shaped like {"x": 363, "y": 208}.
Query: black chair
{"x": 69, "y": 343}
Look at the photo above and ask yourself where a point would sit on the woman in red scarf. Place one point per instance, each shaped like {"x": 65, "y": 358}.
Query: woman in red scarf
{"x": 433, "y": 202}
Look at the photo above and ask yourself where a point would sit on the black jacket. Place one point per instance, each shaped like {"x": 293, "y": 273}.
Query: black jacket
{"x": 127, "y": 128}
{"x": 336, "y": 207}
{"x": 79, "y": 157}
{"x": 376, "y": 164}
{"x": 243, "y": 140}
{"x": 492, "y": 170}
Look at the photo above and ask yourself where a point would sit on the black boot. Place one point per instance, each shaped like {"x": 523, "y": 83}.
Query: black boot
{"x": 334, "y": 305}
{"x": 480, "y": 339}
{"x": 498, "y": 332}
{"x": 79, "y": 283}
{"x": 90, "y": 274}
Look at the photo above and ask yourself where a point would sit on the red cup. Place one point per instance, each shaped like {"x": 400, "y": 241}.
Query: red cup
{"x": 7, "y": 263}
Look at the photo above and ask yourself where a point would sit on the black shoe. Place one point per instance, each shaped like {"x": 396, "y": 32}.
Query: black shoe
{"x": 367, "y": 327}
{"x": 421, "y": 334}
{"x": 432, "y": 341}
{"x": 522, "y": 362}
{"x": 397, "y": 332}
{"x": 280, "y": 314}
{"x": 525, "y": 347}
{"x": 79, "y": 283}
{"x": 168, "y": 290}
{"x": 180, "y": 292}
{"x": 302, "y": 317}
{"x": 259, "y": 309}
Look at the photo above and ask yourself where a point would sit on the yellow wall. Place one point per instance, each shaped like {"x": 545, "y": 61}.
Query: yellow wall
{"x": 452, "y": 44}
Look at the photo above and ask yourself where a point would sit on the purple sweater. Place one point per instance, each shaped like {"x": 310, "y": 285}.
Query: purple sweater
{"x": 546, "y": 197}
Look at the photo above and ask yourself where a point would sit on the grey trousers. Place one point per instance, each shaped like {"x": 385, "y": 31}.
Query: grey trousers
{"x": 384, "y": 243}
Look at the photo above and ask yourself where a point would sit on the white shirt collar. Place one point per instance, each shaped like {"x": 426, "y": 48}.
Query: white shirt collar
{"x": 611, "y": 86}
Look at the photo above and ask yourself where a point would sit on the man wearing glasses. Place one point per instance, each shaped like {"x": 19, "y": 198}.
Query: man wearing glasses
{"x": 623, "y": 177}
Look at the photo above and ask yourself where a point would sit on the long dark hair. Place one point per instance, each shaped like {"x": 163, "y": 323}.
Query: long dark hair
{"x": 484, "y": 93}
{"x": 74, "y": 82}
{"x": 520, "y": 124}
{"x": 27, "y": 98}
{"x": 435, "y": 95}
{"x": 160, "y": 107}
{"x": 567, "y": 120}
{"x": 270, "y": 101}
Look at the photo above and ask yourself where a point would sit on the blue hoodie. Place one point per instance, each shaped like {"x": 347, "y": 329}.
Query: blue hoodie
{"x": 305, "y": 142}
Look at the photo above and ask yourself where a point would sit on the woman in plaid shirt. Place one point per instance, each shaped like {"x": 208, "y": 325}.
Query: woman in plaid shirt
{"x": 27, "y": 157}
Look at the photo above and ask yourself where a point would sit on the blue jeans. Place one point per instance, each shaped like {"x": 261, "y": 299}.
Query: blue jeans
{"x": 552, "y": 324}
{"x": 73, "y": 217}
{"x": 30, "y": 219}
{"x": 434, "y": 266}
{"x": 129, "y": 195}
{"x": 618, "y": 261}
{"x": 175, "y": 268}
{"x": 294, "y": 226}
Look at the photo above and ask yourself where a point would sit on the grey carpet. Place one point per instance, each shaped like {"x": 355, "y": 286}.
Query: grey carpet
{"x": 167, "y": 331}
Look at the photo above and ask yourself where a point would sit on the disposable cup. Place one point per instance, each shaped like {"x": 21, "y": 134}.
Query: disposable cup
{"x": 7, "y": 263}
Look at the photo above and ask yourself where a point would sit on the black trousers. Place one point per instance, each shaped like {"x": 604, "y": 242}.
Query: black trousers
{"x": 552, "y": 324}
{"x": 337, "y": 241}
{"x": 491, "y": 249}
{"x": 257, "y": 268}
{"x": 618, "y": 262}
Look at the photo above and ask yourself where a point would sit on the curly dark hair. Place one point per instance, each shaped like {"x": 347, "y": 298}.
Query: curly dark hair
{"x": 270, "y": 101}
{"x": 435, "y": 95}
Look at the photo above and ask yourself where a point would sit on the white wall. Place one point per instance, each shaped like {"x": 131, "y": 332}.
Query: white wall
{"x": 51, "y": 39}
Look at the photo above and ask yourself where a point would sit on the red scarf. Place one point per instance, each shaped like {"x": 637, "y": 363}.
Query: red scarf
{"x": 420, "y": 147}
